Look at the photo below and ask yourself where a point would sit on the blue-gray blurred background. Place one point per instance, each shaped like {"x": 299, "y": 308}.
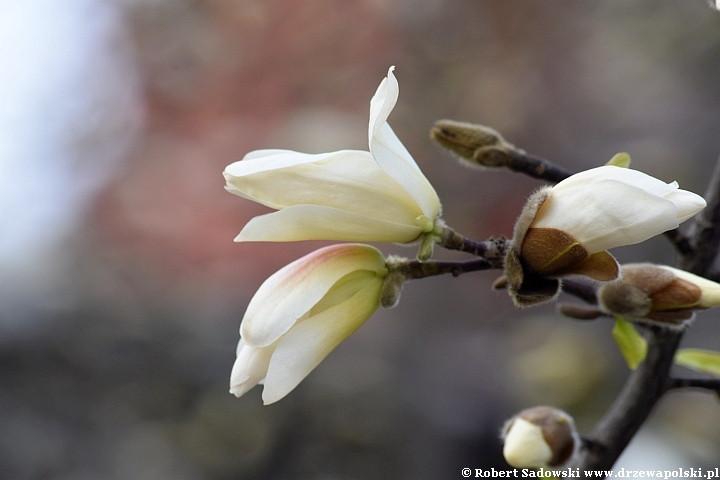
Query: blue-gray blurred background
{"x": 121, "y": 291}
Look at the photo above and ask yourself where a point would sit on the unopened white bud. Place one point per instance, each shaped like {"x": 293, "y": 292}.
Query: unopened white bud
{"x": 658, "y": 293}
{"x": 539, "y": 437}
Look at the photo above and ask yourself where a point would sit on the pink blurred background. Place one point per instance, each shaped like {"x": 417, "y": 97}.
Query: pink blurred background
{"x": 121, "y": 290}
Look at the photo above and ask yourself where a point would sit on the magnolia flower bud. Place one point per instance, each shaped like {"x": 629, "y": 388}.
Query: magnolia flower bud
{"x": 370, "y": 196}
{"x": 566, "y": 229}
{"x": 301, "y": 313}
{"x": 539, "y": 437}
{"x": 475, "y": 145}
{"x": 658, "y": 293}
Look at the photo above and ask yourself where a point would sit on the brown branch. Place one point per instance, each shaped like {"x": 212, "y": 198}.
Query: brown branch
{"x": 536, "y": 167}
{"x": 415, "y": 269}
{"x": 492, "y": 250}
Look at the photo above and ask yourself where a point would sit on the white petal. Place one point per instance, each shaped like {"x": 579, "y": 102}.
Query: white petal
{"x": 710, "y": 296}
{"x": 250, "y": 367}
{"x": 348, "y": 180}
{"x": 313, "y": 222}
{"x": 391, "y": 154}
{"x": 293, "y": 290}
{"x": 303, "y": 347}
{"x": 687, "y": 203}
{"x": 383, "y": 147}
{"x": 382, "y": 103}
{"x": 525, "y": 446}
{"x": 607, "y": 214}
{"x": 636, "y": 178}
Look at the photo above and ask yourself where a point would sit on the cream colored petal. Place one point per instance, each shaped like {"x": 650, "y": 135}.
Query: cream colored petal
{"x": 382, "y": 103}
{"x": 303, "y": 347}
{"x": 404, "y": 172}
{"x": 525, "y": 446}
{"x": 250, "y": 367}
{"x": 607, "y": 214}
{"x": 687, "y": 203}
{"x": 313, "y": 222}
{"x": 391, "y": 154}
{"x": 710, "y": 296}
{"x": 348, "y": 180}
{"x": 292, "y": 291}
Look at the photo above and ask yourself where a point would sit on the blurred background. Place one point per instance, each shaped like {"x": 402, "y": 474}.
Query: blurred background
{"x": 121, "y": 290}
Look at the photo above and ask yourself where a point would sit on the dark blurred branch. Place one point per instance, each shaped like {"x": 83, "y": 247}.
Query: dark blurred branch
{"x": 645, "y": 386}
{"x": 705, "y": 231}
{"x": 706, "y": 383}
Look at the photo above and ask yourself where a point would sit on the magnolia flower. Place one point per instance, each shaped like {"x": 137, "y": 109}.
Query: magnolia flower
{"x": 658, "y": 293}
{"x": 351, "y": 195}
{"x": 301, "y": 313}
{"x": 539, "y": 437}
{"x": 566, "y": 229}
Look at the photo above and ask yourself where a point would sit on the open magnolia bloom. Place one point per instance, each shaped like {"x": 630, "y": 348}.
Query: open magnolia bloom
{"x": 350, "y": 195}
{"x": 658, "y": 293}
{"x": 566, "y": 229}
{"x": 302, "y": 312}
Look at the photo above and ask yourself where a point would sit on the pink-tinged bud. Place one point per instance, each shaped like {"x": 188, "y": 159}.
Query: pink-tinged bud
{"x": 302, "y": 312}
{"x": 539, "y": 437}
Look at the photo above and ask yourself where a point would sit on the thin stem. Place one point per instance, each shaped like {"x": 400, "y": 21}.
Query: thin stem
{"x": 492, "y": 250}
{"x": 536, "y": 167}
{"x": 414, "y": 269}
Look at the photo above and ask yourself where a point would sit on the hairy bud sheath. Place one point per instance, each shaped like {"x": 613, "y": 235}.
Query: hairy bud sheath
{"x": 475, "y": 145}
{"x": 658, "y": 294}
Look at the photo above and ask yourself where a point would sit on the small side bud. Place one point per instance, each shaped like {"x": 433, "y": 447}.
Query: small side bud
{"x": 658, "y": 294}
{"x": 476, "y": 145}
{"x": 394, "y": 281}
{"x": 391, "y": 289}
{"x": 539, "y": 437}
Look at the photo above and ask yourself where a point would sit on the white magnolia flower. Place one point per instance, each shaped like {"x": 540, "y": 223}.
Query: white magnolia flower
{"x": 610, "y": 206}
{"x": 301, "y": 313}
{"x": 566, "y": 229}
{"x": 350, "y": 195}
